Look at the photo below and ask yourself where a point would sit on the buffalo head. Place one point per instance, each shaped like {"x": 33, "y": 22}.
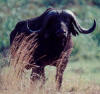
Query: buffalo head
{"x": 59, "y": 23}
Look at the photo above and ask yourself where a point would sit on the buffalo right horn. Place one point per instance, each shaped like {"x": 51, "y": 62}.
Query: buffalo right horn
{"x": 77, "y": 25}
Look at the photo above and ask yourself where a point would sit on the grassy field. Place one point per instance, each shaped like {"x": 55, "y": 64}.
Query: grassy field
{"x": 80, "y": 77}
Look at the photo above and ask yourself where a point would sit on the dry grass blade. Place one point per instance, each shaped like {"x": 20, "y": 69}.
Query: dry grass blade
{"x": 22, "y": 51}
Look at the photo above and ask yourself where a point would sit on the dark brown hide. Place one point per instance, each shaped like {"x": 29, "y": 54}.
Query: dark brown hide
{"x": 45, "y": 40}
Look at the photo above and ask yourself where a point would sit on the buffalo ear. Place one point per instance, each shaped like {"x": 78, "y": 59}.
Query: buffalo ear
{"x": 73, "y": 30}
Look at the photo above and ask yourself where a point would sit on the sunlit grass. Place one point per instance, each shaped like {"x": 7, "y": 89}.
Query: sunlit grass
{"x": 80, "y": 77}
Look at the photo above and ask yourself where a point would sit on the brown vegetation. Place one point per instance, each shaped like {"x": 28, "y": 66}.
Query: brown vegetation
{"x": 11, "y": 84}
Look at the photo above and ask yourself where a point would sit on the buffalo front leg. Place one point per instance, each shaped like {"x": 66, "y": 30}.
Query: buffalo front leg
{"x": 61, "y": 65}
{"x": 59, "y": 74}
{"x": 37, "y": 75}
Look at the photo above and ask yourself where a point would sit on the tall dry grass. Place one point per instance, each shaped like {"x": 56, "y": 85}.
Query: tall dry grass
{"x": 11, "y": 84}
{"x": 15, "y": 79}
{"x": 22, "y": 50}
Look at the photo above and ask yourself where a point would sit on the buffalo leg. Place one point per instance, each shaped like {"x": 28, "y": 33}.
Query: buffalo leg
{"x": 61, "y": 65}
{"x": 38, "y": 74}
{"x": 59, "y": 74}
